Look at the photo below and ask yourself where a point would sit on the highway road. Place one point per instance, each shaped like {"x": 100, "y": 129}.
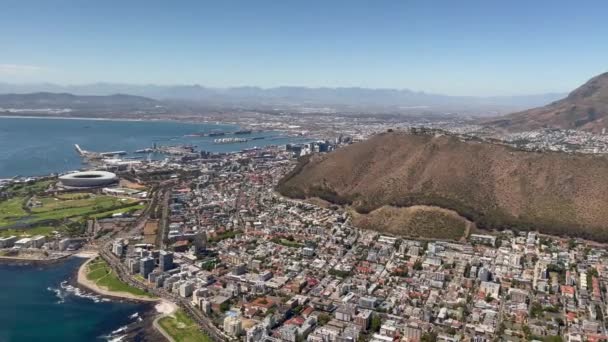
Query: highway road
{"x": 162, "y": 194}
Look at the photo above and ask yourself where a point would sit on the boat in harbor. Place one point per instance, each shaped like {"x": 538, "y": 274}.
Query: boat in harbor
{"x": 229, "y": 140}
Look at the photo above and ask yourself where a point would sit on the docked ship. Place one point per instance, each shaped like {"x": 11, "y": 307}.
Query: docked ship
{"x": 229, "y": 140}
{"x": 242, "y": 132}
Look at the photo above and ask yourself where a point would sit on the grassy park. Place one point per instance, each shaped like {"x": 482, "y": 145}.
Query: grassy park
{"x": 37, "y": 213}
{"x": 11, "y": 210}
{"x": 37, "y": 230}
{"x": 28, "y": 189}
{"x": 53, "y": 208}
{"x": 99, "y": 272}
{"x": 182, "y": 328}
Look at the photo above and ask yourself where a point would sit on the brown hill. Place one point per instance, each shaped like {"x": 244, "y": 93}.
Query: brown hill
{"x": 492, "y": 185}
{"x": 586, "y": 108}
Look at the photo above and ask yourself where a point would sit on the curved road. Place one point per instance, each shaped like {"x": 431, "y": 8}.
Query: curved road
{"x": 157, "y": 326}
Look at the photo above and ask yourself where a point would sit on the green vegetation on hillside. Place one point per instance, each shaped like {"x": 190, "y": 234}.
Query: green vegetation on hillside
{"x": 182, "y": 328}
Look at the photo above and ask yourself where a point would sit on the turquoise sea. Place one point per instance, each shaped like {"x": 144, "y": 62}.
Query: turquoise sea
{"x": 34, "y": 146}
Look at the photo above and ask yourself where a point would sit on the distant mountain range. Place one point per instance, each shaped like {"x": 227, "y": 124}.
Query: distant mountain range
{"x": 70, "y": 100}
{"x": 386, "y": 100}
{"x": 586, "y": 108}
{"x": 45, "y": 103}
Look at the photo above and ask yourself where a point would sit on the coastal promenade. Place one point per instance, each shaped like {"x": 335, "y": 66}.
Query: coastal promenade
{"x": 157, "y": 326}
{"x": 93, "y": 286}
{"x": 207, "y": 326}
{"x": 168, "y": 302}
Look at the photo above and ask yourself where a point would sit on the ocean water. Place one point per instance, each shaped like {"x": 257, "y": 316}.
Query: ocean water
{"x": 38, "y": 304}
{"x": 34, "y": 146}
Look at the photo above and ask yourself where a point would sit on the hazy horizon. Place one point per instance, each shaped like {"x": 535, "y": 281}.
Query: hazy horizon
{"x": 69, "y": 86}
{"x": 469, "y": 48}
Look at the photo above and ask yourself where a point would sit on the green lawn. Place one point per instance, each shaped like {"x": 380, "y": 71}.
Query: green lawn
{"x": 74, "y": 206}
{"x": 182, "y": 328}
{"x": 133, "y": 207}
{"x": 11, "y": 210}
{"x": 287, "y": 243}
{"x": 23, "y": 190}
{"x": 56, "y": 209}
{"x": 73, "y": 195}
{"x": 99, "y": 272}
{"x": 41, "y": 230}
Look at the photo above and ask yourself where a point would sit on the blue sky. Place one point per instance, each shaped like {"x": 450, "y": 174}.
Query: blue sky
{"x": 451, "y": 47}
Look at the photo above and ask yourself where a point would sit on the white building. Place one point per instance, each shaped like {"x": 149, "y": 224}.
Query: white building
{"x": 23, "y": 243}
{"x": 491, "y": 289}
{"x": 118, "y": 248}
{"x": 232, "y": 326}
{"x": 185, "y": 289}
{"x": 8, "y": 241}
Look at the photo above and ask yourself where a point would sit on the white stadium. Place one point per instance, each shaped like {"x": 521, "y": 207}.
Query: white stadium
{"x": 88, "y": 179}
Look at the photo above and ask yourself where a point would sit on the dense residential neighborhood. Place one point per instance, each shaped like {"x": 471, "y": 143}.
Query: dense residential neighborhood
{"x": 249, "y": 264}
{"x": 263, "y": 267}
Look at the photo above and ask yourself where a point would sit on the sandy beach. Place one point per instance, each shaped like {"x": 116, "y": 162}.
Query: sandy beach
{"x": 164, "y": 308}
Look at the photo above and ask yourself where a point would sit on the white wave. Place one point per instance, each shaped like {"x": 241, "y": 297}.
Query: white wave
{"x": 58, "y": 293}
{"x": 116, "y": 335}
{"x": 119, "y": 330}
{"x": 66, "y": 289}
{"x": 117, "y": 338}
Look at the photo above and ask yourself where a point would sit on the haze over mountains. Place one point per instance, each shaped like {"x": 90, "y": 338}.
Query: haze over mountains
{"x": 338, "y": 98}
{"x": 87, "y": 105}
{"x": 585, "y": 108}
{"x": 495, "y": 186}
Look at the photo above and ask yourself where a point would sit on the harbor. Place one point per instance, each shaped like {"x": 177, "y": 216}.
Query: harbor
{"x": 47, "y": 145}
